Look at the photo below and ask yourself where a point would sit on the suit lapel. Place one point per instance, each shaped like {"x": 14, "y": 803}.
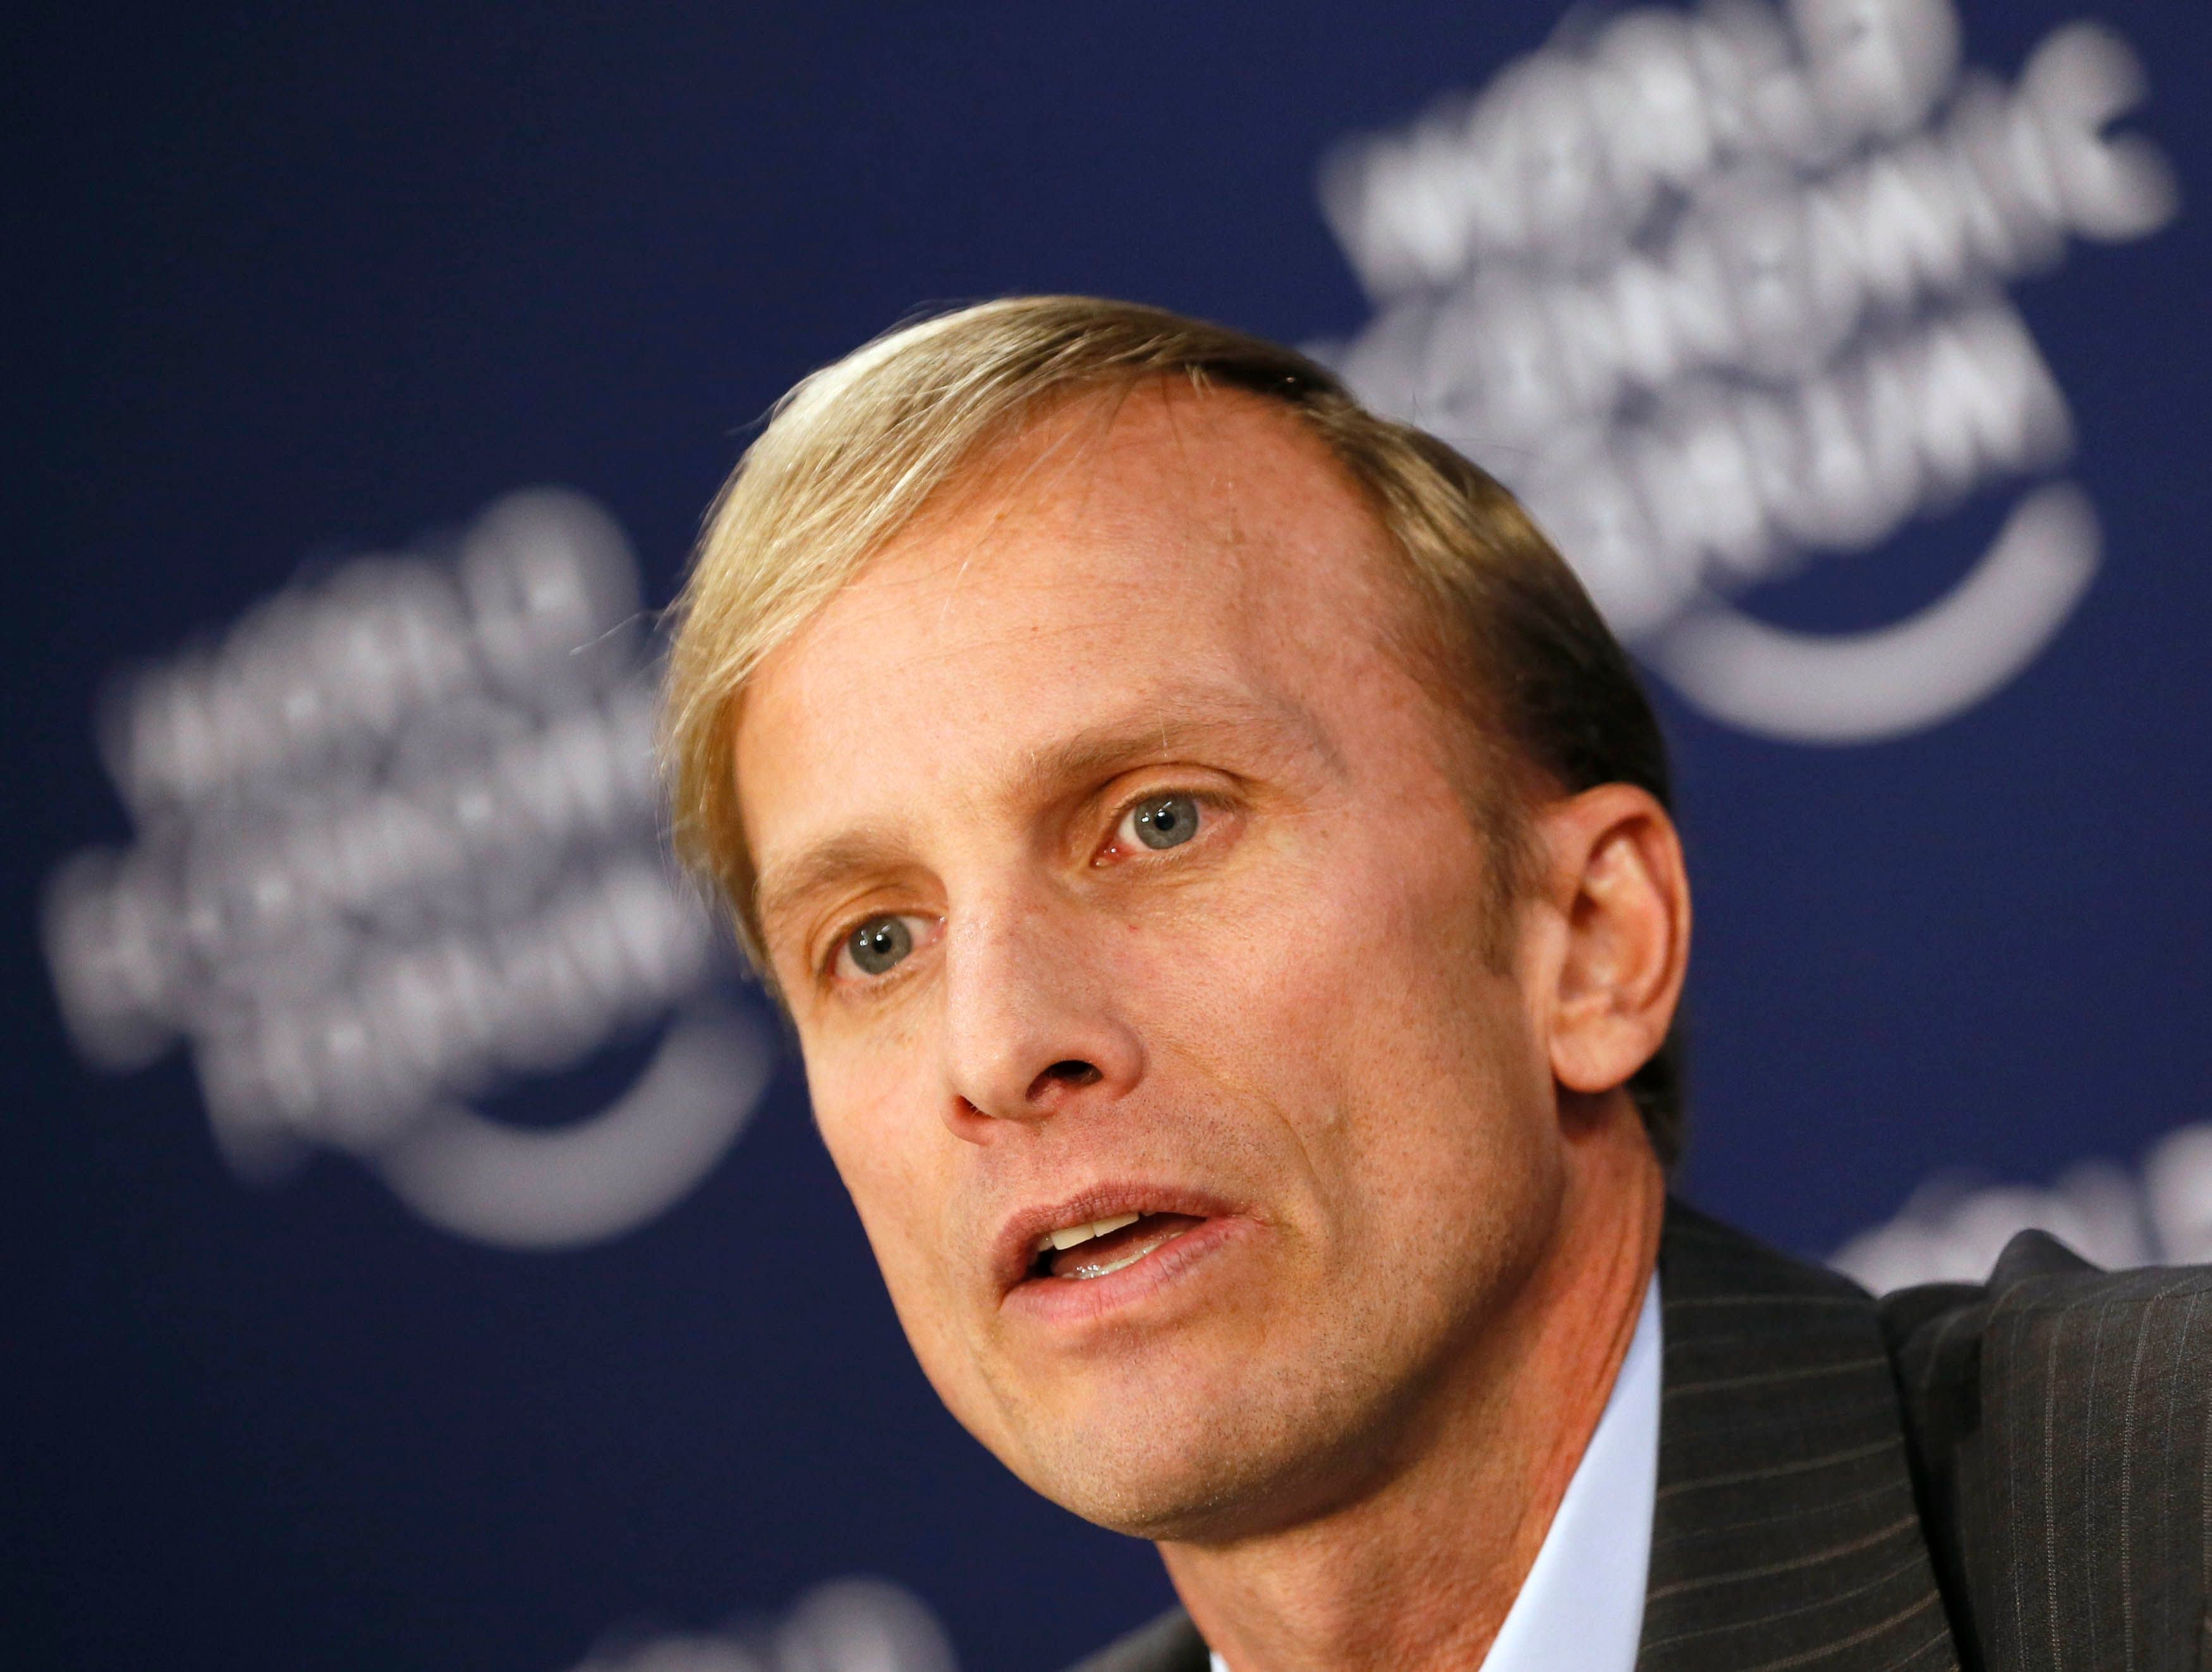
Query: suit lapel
{"x": 1785, "y": 1533}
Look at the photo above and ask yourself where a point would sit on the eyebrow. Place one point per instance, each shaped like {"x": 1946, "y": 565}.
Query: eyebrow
{"x": 782, "y": 887}
{"x": 1176, "y": 721}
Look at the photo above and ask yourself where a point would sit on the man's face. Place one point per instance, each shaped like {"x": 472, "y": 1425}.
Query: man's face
{"x": 1113, "y": 863}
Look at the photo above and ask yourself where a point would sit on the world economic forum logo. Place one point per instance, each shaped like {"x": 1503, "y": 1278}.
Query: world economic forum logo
{"x": 1716, "y": 290}
{"x": 397, "y": 849}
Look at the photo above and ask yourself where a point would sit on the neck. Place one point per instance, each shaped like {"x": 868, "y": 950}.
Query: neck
{"x": 1420, "y": 1571}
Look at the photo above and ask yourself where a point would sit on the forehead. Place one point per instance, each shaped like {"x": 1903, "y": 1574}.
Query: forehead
{"x": 1130, "y": 557}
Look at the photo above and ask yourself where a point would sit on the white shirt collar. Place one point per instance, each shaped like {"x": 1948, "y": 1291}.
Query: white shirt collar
{"x": 1581, "y": 1605}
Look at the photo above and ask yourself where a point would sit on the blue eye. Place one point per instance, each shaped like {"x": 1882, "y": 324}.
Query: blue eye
{"x": 879, "y": 944}
{"x": 1164, "y": 821}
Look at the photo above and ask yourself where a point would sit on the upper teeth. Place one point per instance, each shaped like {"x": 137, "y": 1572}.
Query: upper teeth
{"x": 1068, "y": 1236}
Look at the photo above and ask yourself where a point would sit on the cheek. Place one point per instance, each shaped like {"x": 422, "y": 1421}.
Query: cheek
{"x": 887, "y": 1145}
{"x": 1351, "y": 992}
{"x": 1373, "y": 949}
{"x": 900, "y": 1197}
{"x": 894, "y": 1156}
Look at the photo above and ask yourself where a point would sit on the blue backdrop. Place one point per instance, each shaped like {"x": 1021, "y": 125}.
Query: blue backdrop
{"x": 298, "y": 284}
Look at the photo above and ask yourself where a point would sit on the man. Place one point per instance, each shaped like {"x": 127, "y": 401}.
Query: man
{"x": 1219, "y": 868}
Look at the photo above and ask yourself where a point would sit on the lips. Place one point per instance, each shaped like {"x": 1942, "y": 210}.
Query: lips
{"x": 1101, "y": 1234}
{"x": 1128, "y": 1240}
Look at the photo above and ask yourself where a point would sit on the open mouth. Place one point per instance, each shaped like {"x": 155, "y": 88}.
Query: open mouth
{"x": 1079, "y": 1253}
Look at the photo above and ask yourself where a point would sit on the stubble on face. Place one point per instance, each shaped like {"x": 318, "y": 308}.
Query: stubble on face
{"x": 1299, "y": 1021}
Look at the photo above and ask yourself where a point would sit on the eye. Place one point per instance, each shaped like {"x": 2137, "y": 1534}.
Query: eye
{"x": 878, "y": 945}
{"x": 1162, "y": 821}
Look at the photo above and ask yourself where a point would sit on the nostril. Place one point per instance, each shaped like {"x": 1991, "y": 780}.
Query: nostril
{"x": 1071, "y": 1073}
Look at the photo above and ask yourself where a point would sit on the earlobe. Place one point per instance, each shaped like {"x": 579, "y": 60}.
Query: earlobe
{"x": 1617, "y": 879}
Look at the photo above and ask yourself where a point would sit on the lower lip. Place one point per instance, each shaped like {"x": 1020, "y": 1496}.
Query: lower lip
{"x": 1074, "y": 1300}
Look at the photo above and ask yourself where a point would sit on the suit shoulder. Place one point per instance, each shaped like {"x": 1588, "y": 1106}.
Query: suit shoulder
{"x": 2040, "y": 1288}
{"x": 2056, "y": 1417}
{"x": 1168, "y": 1644}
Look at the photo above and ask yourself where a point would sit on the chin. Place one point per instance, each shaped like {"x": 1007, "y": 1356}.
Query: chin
{"x": 1197, "y": 1470}
{"x": 1169, "y": 1493}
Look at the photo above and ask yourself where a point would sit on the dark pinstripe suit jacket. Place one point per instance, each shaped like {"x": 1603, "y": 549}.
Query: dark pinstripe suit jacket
{"x": 2007, "y": 1477}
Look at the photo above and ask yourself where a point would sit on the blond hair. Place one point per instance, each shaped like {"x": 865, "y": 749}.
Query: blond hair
{"x": 852, "y": 453}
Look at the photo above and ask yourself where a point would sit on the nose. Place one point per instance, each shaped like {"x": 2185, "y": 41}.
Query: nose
{"x": 1031, "y": 1024}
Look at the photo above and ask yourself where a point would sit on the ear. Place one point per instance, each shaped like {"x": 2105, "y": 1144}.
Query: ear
{"x": 1615, "y": 874}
